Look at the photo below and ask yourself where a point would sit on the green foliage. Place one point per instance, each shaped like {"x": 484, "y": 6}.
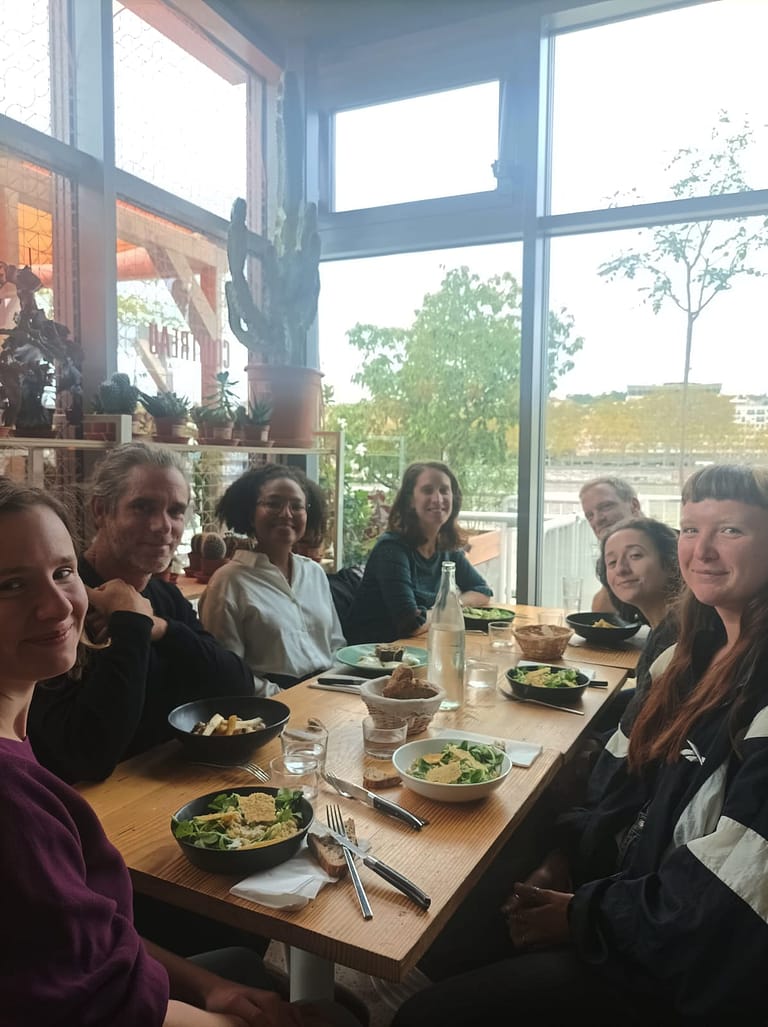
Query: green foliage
{"x": 116, "y": 396}
{"x": 165, "y": 404}
{"x": 221, "y": 405}
{"x": 257, "y": 415}
{"x": 450, "y": 383}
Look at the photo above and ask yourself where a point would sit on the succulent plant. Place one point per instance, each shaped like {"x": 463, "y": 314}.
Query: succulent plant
{"x": 195, "y": 543}
{"x": 166, "y": 404}
{"x": 221, "y": 406}
{"x": 116, "y": 396}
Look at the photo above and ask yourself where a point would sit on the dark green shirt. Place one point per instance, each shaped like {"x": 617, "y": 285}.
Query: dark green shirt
{"x": 399, "y": 586}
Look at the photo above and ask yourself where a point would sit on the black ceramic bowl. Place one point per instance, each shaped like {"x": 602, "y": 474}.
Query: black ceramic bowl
{"x": 233, "y": 861}
{"x": 584, "y": 624}
{"x": 233, "y": 749}
{"x": 557, "y": 696}
{"x": 481, "y": 622}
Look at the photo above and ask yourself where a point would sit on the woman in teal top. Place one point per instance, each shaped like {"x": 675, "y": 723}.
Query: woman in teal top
{"x": 402, "y": 574}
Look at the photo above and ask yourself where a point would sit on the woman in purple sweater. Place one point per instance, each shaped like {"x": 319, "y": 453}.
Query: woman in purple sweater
{"x": 69, "y": 953}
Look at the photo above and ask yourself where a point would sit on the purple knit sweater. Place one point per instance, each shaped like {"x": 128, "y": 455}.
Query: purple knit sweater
{"x": 69, "y": 954}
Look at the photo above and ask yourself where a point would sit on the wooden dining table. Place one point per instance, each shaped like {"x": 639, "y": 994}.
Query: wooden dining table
{"x": 446, "y": 858}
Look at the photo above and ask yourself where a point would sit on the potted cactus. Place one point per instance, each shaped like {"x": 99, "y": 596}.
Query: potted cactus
{"x": 170, "y": 413}
{"x": 113, "y": 410}
{"x": 213, "y": 554}
{"x": 195, "y": 559}
{"x": 272, "y": 322}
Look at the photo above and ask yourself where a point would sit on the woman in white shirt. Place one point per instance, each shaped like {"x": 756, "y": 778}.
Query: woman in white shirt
{"x": 269, "y": 605}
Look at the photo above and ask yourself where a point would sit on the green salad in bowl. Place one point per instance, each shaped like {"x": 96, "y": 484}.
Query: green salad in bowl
{"x": 451, "y": 770}
{"x": 477, "y": 618}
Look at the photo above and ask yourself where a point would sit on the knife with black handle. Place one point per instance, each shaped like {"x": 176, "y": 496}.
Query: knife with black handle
{"x": 394, "y": 877}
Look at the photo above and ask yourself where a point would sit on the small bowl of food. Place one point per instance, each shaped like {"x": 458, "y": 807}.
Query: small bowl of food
{"x": 477, "y": 618}
{"x": 451, "y": 771}
{"x": 402, "y": 696}
{"x": 242, "y": 830}
{"x": 602, "y": 628}
{"x": 556, "y": 685}
{"x": 542, "y": 641}
{"x": 228, "y": 729}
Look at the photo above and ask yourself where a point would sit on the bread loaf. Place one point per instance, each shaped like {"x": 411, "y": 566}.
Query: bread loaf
{"x": 328, "y": 853}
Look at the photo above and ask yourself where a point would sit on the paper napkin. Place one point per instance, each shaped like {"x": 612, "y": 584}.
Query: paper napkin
{"x": 292, "y": 884}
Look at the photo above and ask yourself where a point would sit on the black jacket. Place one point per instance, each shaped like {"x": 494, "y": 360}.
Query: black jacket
{"x": 82, "y": 729}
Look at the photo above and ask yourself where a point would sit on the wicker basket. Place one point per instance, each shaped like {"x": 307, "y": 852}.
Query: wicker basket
{"x": 418, "y": 712}
{"x": 542, "y": 641}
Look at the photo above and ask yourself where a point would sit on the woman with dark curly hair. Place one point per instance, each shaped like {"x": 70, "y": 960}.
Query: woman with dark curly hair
{"x": 268, "y": 604}
{"x": 402, "y": 574}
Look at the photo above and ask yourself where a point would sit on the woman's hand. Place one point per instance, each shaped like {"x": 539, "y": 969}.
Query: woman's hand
{"x": 538, "y": 917}
{"x": 253, "y": 1006}
{"x": 553, "y": 874}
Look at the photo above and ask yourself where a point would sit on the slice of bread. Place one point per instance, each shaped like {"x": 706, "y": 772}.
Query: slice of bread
{"x": 328, "y": 853}
{"x": 380, "y": 774}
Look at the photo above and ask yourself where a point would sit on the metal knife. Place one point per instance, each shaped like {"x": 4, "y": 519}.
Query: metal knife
{"x": 378, "y": 802}
{"x": 384, "y": 870}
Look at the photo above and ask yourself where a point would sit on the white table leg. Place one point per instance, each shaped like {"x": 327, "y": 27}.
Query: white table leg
{"x": 310, "y": 976}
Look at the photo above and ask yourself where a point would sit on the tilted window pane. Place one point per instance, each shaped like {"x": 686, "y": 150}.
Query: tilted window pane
{"x": 438, "y": 145}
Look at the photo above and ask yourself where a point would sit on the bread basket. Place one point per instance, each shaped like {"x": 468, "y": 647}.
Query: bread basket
{"x": 418, "y": 712}
{"x": 542, "y": 641}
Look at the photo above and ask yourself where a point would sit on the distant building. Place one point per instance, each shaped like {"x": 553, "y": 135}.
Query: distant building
{"x": 752, "y": 410}
{"x": 638, "y": 391}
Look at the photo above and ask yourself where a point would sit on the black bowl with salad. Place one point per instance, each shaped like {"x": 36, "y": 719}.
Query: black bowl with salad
{"x": 242, "y": 830}
{"x": 545, "y": 683}
{"x": 477, "y": 618}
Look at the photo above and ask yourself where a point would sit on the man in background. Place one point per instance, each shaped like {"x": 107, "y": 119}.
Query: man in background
{"x": 606, "y": 501}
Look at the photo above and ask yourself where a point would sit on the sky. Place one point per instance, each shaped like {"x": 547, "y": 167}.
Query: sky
{"x": 627, "y": 97}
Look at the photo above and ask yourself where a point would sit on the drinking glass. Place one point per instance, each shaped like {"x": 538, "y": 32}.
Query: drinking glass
{"x": 381, "y": 741}
{"x": 571, "y": 595}
{"x": 310, "y": 739}
{"x": 481, "y": 674}
{"x": 500, "y": 635}
{"x": 299, "y": 770}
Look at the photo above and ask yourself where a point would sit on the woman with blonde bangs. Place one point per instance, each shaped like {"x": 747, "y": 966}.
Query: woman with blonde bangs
{"x": 653, "y": 905}
{"x": 69, "y": 951}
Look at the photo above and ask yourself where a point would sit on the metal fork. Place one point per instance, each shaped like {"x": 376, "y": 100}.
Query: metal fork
{"x": 336, "y": 823}
{"x": 250, "y": 768}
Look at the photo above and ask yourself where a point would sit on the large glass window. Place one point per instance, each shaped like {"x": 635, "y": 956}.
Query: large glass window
{"x": 180, "y": 116}
{"x": 25, "y": 63}
{"x": 629, "y": 96}
{"x": 35, "y": 217}
{"x": 663, "y": 383}
{"x": 171, "y": 315}
{"x": 438, "y": 145}
{"x": 421, "y": 356}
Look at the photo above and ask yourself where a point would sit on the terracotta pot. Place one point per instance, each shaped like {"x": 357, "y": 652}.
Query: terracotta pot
{"x": 169, "y": 429}
{"x": 295, "y": 394}
{"x": 255, "y": 434}
{"x": 207, "y": 567}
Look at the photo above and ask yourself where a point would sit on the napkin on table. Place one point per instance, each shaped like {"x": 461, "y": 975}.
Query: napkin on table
{"x": 290, "y": 885}
{"x": 521, "y": 754}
